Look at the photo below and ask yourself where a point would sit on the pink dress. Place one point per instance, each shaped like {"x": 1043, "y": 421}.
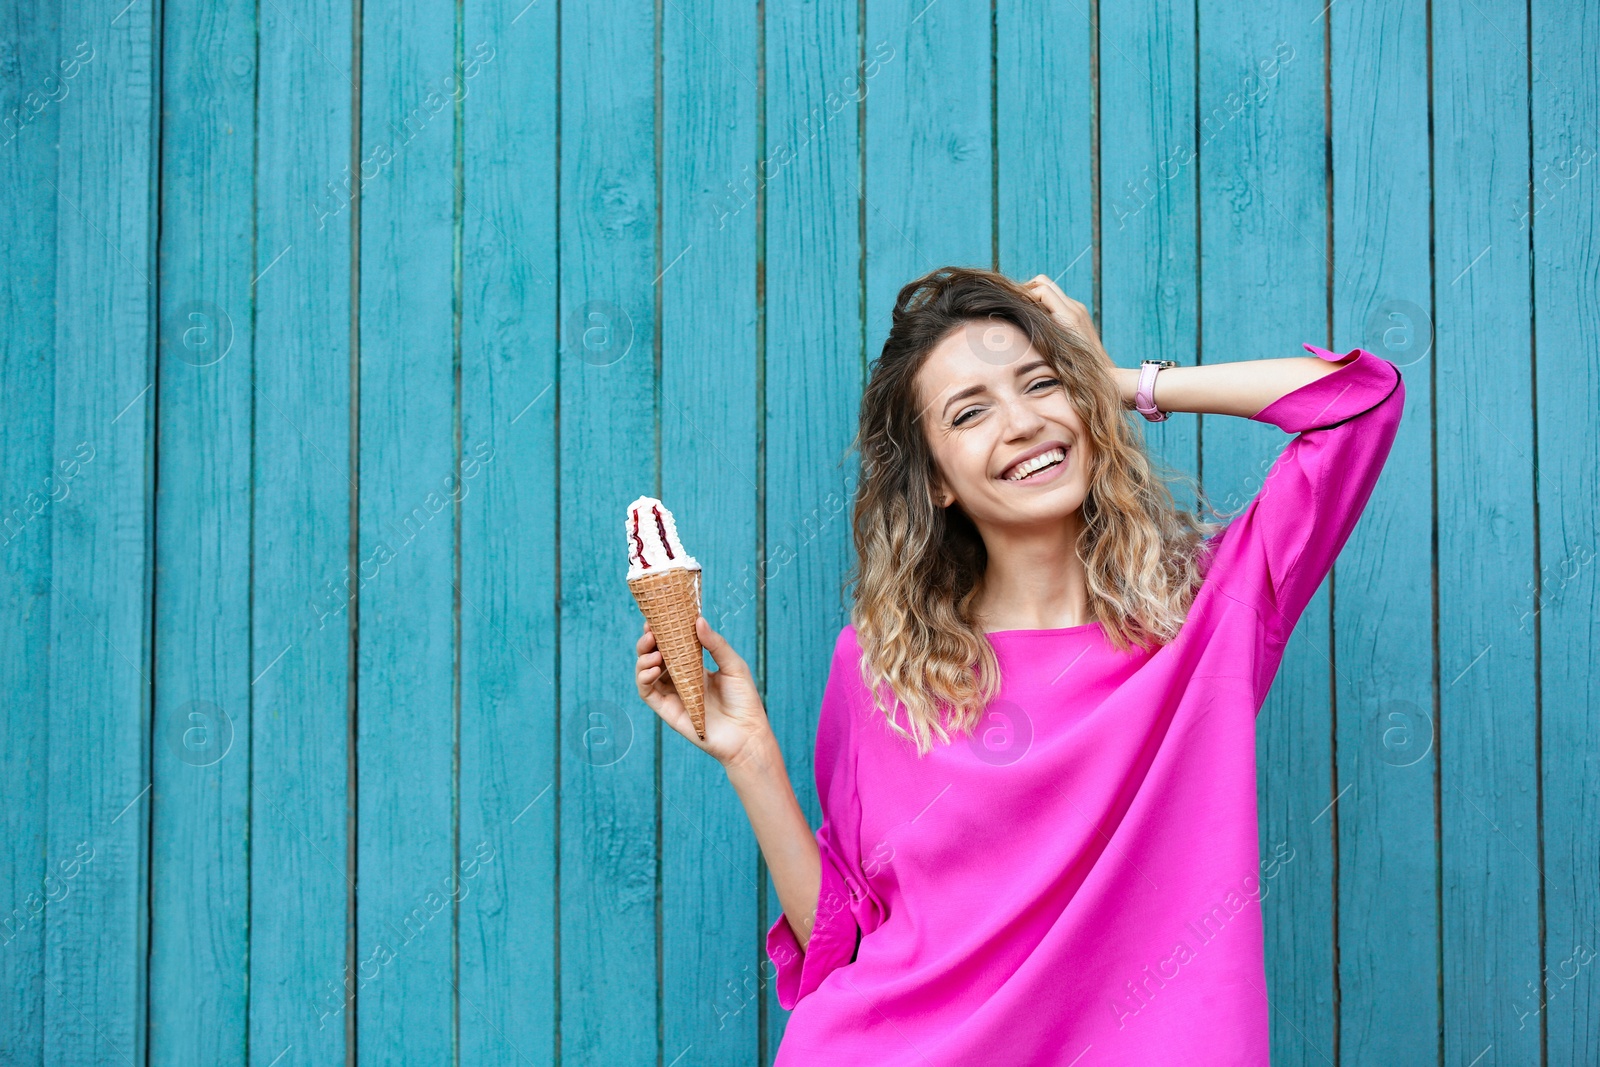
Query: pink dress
{"x": 1079, "y": 883}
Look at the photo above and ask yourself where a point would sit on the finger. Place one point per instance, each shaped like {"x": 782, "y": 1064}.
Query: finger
{"x": 722, "y": 653}
{"x": 649, "y": 691}
{"x": 662, "y": 701}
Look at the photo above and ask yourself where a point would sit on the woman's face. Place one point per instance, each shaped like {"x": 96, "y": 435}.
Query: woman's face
{"x": 991, "y": 407}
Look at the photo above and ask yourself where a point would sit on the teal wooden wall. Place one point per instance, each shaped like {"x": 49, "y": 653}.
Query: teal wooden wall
{"x": 337, "y": 336}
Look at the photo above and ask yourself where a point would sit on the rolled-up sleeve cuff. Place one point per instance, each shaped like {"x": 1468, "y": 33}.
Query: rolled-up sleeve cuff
{"x": 1362, "y": 382}
{"x": 832, "y": 944}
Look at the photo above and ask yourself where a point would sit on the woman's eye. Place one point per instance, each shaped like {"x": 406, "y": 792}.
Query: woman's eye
{"x": 962, "y": 418}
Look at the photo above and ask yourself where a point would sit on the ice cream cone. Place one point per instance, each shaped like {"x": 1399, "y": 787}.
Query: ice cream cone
{"x": 670, "y": 600}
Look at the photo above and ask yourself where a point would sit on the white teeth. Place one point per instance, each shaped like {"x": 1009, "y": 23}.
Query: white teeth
{"x": 1039, "y": 462}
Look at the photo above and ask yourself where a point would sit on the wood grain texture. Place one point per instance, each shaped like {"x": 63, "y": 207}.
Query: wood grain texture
{"x": 1044, "y": 116}
{"x": 506, "y": 854}
{"x": 1148, "y": 233}
{"x": 611, "y": 400}
{"x": 200, "y": 758}
{"x": 1487, "y": 552}
{"x": 406, "y": 865}
{"x": 326, "y": 377}
{"x": 1384, "y": 689}
{"x": 1263, "y": 291}
{"x": 33, "y": 484}
{"x": 1562, "y": 604}
{"x": 710, "y": 432}
{"x": 302, "y": 991}
{"x": 817, "y": 80}
{"x": 96, "y": 936}
{"x": 929, "y": 150}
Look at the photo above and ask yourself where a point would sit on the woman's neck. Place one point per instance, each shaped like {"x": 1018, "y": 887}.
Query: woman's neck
{"x": 1036, "y": 583}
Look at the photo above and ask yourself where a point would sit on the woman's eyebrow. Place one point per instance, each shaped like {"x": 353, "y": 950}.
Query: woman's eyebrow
{"x": 974, "y": 390}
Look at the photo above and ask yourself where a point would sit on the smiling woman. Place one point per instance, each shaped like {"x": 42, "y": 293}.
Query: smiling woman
{"x": 1083, "y": 872}
{"x": 1003, "y": 487}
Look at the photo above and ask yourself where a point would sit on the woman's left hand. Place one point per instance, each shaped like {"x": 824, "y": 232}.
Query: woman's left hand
{"x": 1069, "y": 312}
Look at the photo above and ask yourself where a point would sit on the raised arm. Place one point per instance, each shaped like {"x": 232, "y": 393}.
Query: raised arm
{"x": 1276, "y": 552}
{"x": 1242, "y": 388}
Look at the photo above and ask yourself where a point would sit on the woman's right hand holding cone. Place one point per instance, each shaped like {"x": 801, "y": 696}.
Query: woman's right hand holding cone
{"x": 740, "y": 737}
{"x": 736, "y": 721}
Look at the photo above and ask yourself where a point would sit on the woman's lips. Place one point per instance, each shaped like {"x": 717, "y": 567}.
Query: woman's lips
{"x": 1049, "y": 474}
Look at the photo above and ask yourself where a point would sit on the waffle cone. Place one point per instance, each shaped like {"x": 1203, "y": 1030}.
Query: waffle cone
{"x": 670, "y": 600}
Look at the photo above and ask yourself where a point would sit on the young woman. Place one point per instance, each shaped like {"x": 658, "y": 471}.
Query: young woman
{"x": 1069, "y": 875}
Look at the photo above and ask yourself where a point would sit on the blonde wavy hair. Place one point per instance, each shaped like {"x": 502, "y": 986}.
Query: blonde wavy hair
{"x": 918, "y": 566}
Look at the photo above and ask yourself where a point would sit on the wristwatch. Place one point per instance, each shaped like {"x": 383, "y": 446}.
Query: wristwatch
{"x": 1144, "y": 396}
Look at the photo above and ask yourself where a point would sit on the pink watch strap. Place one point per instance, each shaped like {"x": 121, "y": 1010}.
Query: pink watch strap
{"x": 1144, "y": 396}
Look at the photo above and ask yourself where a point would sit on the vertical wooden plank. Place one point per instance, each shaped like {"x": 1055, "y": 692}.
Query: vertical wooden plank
{"x": 506, "y": 854}
{"x": 1562, "y": 604}
{"x": 96, "y": 937}
{"x": 816, "y": 83}
{"x": 1149, "y": 166}
{"x": 1263, "y": 291}
{"x": 1383, "y": 598}
{"x": 409, "y": 465}
{"x": 1488, "y": 791}
{"x": 1044, "y": 115}
{"x": 710, "y": 428}
{"x": 929, "y": 190}
{"x": 33, "y": 88}
{"x": 610, "y": 453}
{"x": 200, "y": 761}
{"x": 301, "y": 992}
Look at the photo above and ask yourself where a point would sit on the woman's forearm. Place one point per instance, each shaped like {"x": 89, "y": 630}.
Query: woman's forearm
{"x": 785, "y": 837}
{"x": 1243, "y": 387}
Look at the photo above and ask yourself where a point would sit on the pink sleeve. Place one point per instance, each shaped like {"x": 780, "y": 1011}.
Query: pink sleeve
{"x": 845, "y": 908}
{"x": 1276, "y": 552}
